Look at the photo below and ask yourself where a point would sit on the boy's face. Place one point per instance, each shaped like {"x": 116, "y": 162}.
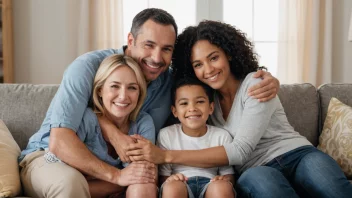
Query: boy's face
{"x": 192, "y": 107}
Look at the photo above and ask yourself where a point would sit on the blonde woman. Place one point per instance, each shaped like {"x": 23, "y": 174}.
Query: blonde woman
{"x": 118, "y": 93}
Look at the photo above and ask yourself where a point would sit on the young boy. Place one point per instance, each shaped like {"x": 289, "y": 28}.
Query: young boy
{"x": 192, "y": 103}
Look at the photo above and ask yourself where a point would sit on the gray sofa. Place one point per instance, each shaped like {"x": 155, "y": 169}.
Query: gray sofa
{"x": 23, "y": 107}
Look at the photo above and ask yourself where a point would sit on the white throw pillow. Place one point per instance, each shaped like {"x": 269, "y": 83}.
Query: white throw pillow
{"x": 10, "y": 184}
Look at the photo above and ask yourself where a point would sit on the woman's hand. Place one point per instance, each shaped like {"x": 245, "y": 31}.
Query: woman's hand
{"x": 145, "y": 150}
{"x": 117, "y": 139}
{"x": 141, "y": 172}
{"x": 177, "y": 177}
{"x": 266, "y": 89}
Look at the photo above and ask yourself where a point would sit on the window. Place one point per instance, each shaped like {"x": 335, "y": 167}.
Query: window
{"x": 184, "y": 11}
{"x": 257, "y": 18}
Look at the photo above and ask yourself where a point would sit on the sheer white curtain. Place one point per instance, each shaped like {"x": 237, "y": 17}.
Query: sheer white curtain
{"x": 96, "y": 24}
{"x": 305, "y": 41}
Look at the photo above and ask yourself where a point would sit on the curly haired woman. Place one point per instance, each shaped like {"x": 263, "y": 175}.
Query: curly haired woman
{"x": 274, "y": 160}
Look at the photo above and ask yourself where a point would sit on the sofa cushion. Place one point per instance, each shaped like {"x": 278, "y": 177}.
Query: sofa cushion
{"x": 23, "y": 108}
{"x": 301, "y": 105}
{"x": 342, "y": 92}
{"x": 336, "y": 137}
{"x": 10, "y": 185}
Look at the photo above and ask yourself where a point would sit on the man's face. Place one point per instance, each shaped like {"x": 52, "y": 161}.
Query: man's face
{"x": 152, "y": 48}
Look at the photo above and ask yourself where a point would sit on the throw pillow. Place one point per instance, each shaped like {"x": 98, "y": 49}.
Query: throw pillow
{"x": 336, "y": 137}
{"x": 10, "y": 184}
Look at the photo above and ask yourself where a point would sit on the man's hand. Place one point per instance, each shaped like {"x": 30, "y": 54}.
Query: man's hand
{"x": 141, "y": 172}
{"x": 117, "y": 139}
{"x": 145, "y": 150}
{"x": 177, "y": 177}
{"x": 266, "y": 89}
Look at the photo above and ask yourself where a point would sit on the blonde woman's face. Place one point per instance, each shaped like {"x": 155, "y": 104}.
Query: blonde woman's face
{"x": 120, "y": 93}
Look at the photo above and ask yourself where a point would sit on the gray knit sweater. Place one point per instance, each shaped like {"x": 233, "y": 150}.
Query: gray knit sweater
{"x": 260, "y": 130}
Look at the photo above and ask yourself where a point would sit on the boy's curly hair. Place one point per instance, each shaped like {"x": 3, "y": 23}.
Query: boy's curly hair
{"x": 231, "y": 40}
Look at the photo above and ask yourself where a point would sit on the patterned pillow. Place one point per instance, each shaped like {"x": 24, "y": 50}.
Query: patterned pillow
{"x": 336, "y": 137}
{"x": 10, "y": 184}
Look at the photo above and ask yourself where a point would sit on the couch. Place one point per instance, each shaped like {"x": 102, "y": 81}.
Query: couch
{"x": 23, "y": 107}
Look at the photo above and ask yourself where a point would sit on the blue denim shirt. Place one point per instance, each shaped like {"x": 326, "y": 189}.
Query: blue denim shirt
{"x": 75, "y": 93}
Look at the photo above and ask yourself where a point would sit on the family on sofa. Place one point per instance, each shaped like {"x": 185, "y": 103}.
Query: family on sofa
{"x": 98, "y": 137}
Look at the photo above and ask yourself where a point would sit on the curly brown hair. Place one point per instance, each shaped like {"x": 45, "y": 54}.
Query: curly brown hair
{"x": 227, "y": 37}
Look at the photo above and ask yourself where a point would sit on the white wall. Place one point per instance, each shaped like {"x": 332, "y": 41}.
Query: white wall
{"x": 45, "y": 42}
{"x": 342, "y": 49}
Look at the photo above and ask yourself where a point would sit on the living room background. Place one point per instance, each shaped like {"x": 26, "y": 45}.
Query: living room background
{"x": 46, "y": 33}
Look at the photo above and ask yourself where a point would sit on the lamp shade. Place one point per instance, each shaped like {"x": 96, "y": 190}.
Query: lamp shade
{"x": 350, "y": 30}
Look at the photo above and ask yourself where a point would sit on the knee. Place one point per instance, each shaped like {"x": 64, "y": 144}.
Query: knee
{"x": 259, "y": 180}
{"x": 220, "y": 188}
{"x": 317, "y": 167}
{"x": 174, "y": 189}
{"x": 141, "y": 190}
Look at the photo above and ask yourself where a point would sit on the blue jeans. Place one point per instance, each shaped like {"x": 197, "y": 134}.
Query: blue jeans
{"x": 302, "y": 172}
{"x": 198, "y": 185}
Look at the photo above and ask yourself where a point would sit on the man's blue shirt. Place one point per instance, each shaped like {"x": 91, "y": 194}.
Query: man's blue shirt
{"x": 75, "y": 93}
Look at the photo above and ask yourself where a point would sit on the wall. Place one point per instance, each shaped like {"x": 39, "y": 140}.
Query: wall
{"x": 342, "y": 49}
{"x": 45, "y": 40}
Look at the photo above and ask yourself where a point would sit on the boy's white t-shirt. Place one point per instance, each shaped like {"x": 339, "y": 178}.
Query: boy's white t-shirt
{"x": 173, "y": 138}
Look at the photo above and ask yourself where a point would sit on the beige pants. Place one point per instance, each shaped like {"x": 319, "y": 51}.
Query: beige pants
{"x": 42, "y": 179}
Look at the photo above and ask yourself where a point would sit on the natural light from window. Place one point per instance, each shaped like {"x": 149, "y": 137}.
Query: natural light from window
{"x": 184, "y": 15}
{"x": 257, "y": 18}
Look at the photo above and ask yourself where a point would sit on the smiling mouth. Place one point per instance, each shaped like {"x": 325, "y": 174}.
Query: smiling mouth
{"x": 121, "y": 104}
{"x": 152, "y": 66}
{"x": 193, "y": 117}
{"x": 213, "y": 78}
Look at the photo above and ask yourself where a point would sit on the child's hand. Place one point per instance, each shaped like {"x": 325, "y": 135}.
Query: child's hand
{"x": 220, "y": 177}
{"x": 177, "y": 177}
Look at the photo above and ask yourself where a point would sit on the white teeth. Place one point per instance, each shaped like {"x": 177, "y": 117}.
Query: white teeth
{"x": 120, "y": 104}
{"x": 152, "y": 66}
{"x": 192, "y": 117}
{"x": 214, "y": 77}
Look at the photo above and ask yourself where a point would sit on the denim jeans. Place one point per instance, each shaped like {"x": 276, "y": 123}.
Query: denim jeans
{"x": 198, "y": 185}
{"x": 302, "y": 172}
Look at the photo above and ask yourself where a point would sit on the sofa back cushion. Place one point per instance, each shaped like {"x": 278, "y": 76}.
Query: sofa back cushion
{"x": 23, "y": 108}
{"x": 343, "y": 92}
{"x": 301, "y": 104}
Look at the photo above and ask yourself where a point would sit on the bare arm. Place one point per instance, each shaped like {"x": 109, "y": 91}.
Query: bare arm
{"x": 205, "y": 158}
{"x": 117, "y": 139}
{"x": 65, "y": 144}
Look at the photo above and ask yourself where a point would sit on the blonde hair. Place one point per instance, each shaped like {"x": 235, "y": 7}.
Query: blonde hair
{"x": 105, "y": 69}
